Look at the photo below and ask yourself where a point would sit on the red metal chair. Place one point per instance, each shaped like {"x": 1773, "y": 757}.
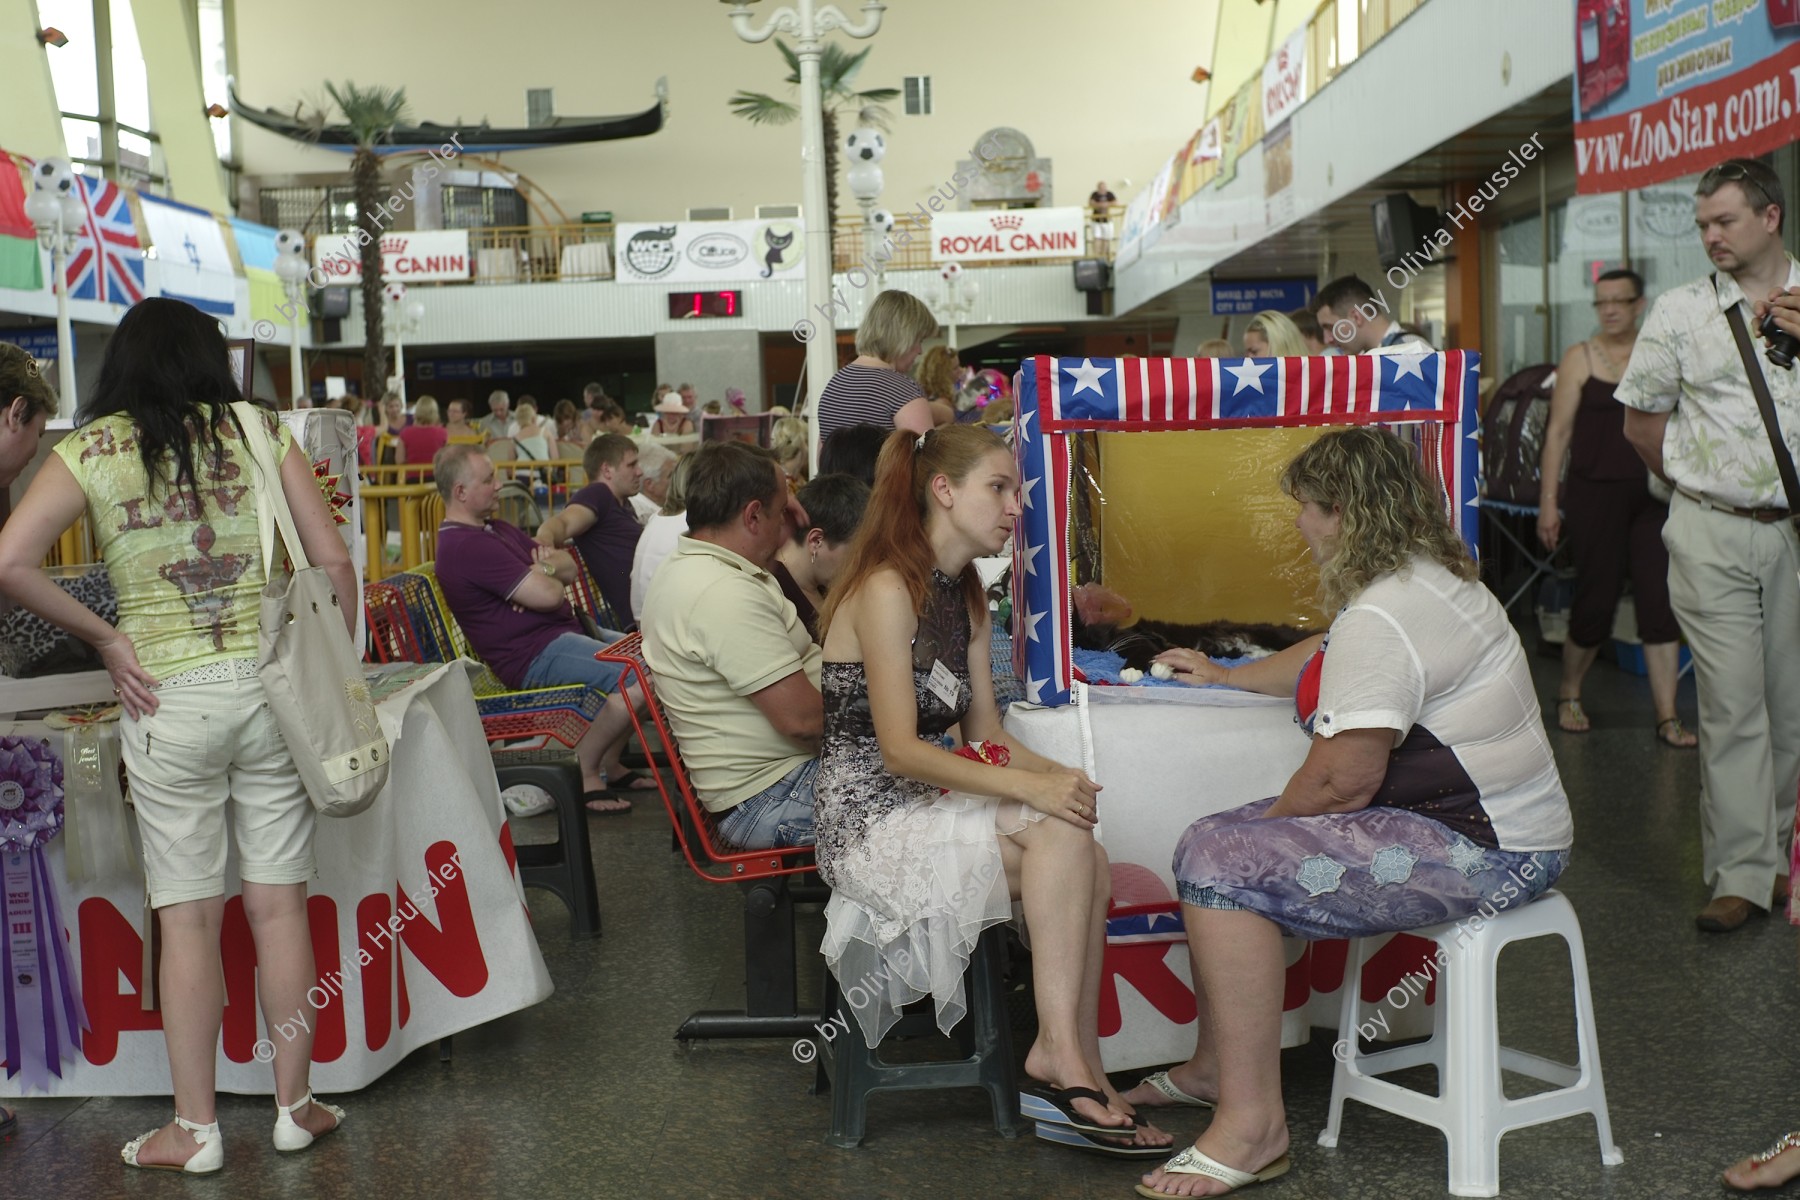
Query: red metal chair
{"x": 775, "y": 879}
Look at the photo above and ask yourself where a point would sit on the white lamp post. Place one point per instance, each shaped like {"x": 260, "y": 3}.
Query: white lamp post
{"x": 954, "y": 300}
{"x": 807, "y": 24}
{"x": 58, "y": 215}
{"x": 291, "y": 268}
{"x": 403, "y": 316}
{"x": 865, "y": 149}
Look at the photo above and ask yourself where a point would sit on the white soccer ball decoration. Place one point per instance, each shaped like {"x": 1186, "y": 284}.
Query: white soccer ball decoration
{"x": 395, "y": 292}
{"x": 54, "y": 175}
{"x": 882, "y": 221}
{"x": 865, "y": 145}
{"x": 950, "y": 271}
{"x": 290, "y": 241}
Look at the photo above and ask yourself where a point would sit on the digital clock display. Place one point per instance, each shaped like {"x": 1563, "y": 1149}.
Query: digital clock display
{"x": 705, "y": 304}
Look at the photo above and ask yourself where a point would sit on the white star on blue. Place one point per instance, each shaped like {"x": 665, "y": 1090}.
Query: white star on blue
{"x": 1394, "y": 864}
{"x": 1320, "y": 874}
{"x": 1031, "y": 624}
{"x": 1408, "y": 363}
{"x": 1087, "y": 377}
{"x": 1249, "y": 375}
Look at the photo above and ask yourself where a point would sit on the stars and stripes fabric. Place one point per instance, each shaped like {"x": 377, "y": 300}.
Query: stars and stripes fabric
{"x": 1428, "y": 397}
{"x": 108, "y": 262}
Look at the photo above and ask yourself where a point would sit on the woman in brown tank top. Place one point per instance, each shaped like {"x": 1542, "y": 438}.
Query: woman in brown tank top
{"x": 1614, "y": 523}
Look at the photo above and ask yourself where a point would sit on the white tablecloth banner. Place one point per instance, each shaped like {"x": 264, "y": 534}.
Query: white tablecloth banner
{"x": 1166, "y": 757}
{"x": 399, "y": 967}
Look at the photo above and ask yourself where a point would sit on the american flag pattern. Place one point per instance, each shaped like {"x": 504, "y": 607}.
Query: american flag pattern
{"x": 1431, "y": 398}
{"x": 108, "y": 262}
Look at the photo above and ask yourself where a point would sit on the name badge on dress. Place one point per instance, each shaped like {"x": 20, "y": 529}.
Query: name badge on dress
{"x": 943, "y": 683}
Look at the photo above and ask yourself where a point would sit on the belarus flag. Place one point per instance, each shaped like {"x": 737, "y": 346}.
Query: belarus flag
{"x": 20, "y": 265}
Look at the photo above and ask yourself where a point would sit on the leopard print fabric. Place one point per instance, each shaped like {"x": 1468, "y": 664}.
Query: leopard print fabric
{"x": 30, "y": 646}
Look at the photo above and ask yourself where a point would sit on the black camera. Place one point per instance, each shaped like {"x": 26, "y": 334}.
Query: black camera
{"x": 1782, "y": 344}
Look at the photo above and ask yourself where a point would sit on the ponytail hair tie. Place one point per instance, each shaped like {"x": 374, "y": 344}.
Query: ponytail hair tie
{"x": 919, "y": 444}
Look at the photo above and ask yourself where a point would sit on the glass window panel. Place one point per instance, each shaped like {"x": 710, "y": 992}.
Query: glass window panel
{"x": 72, "y": 66}
{"x": 81, "y": 138}
{"x": 214, "y": 69}
{"x": 1348, "y": 46}
{"x": 1584, "y": 242}
{"x": 1665, "y": 246}
{"x": 131, "y": 89}
{"x": 1519, "y": 328}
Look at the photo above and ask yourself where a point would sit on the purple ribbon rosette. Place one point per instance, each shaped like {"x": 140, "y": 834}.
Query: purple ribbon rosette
{"x": 41, "y": 1017}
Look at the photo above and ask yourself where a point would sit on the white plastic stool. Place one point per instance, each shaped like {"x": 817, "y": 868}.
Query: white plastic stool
{"x": 1471, "y": 1108}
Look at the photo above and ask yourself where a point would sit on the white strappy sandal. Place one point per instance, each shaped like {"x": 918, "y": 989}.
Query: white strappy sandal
{"x": 207, "y": 1159}
{"x": 1192, "y": 1162}
{"x": 290, "y": 1135}
{"x": 1170, "y": 1091}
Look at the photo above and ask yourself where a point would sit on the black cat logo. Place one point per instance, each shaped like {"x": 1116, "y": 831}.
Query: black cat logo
{"x": 777, "y": 242}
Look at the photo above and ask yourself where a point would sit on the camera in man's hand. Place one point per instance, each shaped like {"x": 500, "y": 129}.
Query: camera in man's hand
{"x": 1782, "y": 344}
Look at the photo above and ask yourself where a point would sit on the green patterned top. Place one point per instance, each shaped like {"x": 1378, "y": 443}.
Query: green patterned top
{"x": 187, "y": 565}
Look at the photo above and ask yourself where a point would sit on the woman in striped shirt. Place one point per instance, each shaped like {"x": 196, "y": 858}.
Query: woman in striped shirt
{"x": 875, "y": 388}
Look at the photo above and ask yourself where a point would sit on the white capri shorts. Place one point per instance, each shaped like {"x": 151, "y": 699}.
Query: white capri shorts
{"x": 206, "y": 744}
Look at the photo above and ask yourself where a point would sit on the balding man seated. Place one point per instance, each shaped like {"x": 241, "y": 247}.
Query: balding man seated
{"x": 507, "y": 594}
{"x": 736, "y": 671}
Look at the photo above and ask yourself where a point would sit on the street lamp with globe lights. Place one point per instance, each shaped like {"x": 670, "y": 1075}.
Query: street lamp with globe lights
{"x": 955, "y": 298}
{"x": 807, "y": 23}
{"x": 292, "y": 270}
{"x": 404, "y": 316}
{"x": 56, "y": 211}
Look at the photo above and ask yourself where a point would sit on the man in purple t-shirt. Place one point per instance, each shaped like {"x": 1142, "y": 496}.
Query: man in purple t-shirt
{"x": 507, "y": 594}
{"x": 600, "y": 523}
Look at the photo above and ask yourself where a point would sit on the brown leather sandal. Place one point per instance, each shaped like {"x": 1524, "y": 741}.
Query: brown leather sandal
{"x": 1672, "y": 737}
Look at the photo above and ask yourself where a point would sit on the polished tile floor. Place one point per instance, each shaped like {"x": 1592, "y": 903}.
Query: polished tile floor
{"x": 587, "y": 1095}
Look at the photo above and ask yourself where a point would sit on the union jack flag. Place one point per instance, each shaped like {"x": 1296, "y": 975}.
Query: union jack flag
{"x": 108, "y": 262}
{"x": 1429, "y": 397}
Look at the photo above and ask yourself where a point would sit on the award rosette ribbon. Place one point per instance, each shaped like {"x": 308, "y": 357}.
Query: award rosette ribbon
{"x": 41, "y": 1017}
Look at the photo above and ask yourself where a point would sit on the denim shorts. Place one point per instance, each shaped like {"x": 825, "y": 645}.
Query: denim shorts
{"x": 208, "y": 747}
{"x": 779, "y": 815}
{"x": 570, "y": 659}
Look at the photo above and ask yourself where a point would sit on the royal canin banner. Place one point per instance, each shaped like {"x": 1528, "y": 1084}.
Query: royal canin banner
{"x": 409, "y": 256}
{"x": 1666, "y": 88}
{"x": 990, "y": 236}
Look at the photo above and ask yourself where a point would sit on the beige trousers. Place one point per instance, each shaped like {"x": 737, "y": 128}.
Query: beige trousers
{"x": 1733, "y": 586}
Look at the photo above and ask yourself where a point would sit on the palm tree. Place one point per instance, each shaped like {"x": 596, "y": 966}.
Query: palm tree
{"x": 838, "y": 94}
{"x": 371, "y": 113}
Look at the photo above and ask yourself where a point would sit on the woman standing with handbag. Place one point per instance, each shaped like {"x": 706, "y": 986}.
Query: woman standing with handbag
{"x": 159, "y": 465}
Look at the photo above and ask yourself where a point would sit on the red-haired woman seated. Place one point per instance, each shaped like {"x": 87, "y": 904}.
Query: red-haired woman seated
{"x": 924, "y": 848}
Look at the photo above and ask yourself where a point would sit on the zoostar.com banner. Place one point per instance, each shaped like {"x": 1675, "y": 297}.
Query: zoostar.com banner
{"x": 1666, "y": 88}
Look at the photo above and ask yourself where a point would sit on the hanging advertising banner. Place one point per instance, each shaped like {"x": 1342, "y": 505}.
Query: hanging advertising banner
{"x": 988, "y": 236}
{"x": 1666, "y": 88}
{"x": 708, "y": 252}
{"x": 1284, "y": 80}
{"x": 414, "y": 256}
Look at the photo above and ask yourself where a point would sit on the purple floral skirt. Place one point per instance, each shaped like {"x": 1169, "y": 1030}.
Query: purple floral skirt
{"x": 1345, "y": 875}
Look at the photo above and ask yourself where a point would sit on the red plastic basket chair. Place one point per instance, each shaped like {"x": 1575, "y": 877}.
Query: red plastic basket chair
{"x": 710, "y": 855}
{"x": 775, "y": 879}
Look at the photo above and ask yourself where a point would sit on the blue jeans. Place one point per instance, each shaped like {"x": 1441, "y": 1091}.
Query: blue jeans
{"x": 779, "y": 815}
{"x": 570, "y": 659}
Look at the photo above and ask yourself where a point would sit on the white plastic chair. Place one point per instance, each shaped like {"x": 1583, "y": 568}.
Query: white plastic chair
{"x": 1471, "y": 1108}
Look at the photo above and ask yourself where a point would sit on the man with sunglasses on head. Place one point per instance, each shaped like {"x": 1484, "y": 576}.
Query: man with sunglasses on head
{"x": 1692, "y": 415}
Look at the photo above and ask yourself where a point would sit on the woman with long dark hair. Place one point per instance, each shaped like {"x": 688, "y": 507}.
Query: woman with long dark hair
{"x": 158, "y": 464}
{"x": 924, "y": 848}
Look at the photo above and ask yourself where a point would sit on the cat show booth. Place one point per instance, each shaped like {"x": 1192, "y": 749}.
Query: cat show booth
{"x": 1191, "y": 527}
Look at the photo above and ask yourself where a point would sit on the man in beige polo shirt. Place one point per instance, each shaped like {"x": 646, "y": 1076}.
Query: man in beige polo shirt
{"x": 734, "y": 668}
{"x": 1732, "y": 551}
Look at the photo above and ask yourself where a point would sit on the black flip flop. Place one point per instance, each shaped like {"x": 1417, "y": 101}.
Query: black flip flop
{"x": 1056, "y": 1106}
{"x": 588, "y": 797}
{"x": 629, "y": 781}
{"x": 1062, "y": 1135}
